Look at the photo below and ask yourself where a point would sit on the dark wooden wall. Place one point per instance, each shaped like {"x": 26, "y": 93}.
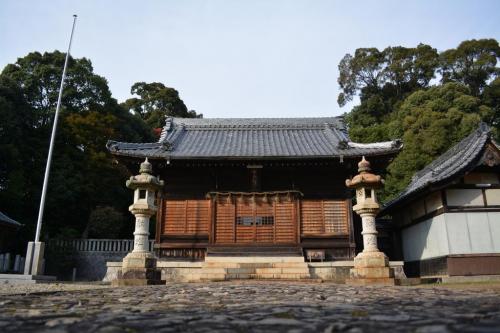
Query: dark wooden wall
{"x": 195, "y": 180}
{"x": 323, "y": 194}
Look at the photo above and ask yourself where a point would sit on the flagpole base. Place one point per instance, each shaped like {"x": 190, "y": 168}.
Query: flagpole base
{"x": 34, "y": 264}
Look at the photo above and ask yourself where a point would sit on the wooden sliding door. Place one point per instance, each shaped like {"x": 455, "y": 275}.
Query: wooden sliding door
{"x": 255, "y": 220}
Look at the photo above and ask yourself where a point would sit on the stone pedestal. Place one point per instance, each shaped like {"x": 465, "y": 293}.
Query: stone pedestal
{"x": 138, "y": 269}
{"x": 371, "y": 268}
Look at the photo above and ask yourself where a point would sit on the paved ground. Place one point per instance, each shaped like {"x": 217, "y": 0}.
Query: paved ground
{"x": 253, "y": 307}
{"x": 9, "y": 289}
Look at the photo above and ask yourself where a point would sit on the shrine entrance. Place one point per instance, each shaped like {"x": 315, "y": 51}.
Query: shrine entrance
{"x": 255, "y": 218}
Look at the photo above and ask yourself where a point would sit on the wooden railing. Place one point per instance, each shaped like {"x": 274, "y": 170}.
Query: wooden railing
{"x": 94, "y": 245}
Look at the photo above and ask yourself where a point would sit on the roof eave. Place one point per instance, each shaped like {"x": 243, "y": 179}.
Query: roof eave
{"x": 434, "y": 186}
{"x": 164, "y": 156}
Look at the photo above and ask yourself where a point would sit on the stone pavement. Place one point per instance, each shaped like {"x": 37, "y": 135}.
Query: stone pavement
{"x": 254, "y": 306}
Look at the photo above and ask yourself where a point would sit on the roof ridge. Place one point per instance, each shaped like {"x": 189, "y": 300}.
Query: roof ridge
{"x": 264, "y": 126}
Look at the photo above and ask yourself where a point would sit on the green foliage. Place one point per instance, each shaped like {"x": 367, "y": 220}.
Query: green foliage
{"x": 472, "y": 63}
{"x": 156, "y": 102}
{"x": 106, "y": 222}
{"x": 397, "y": 99}
{"x": 391, "y": 73}
{"x": 491, "y": 97}
{"x": 40, "y": 76}
{"x": 83, "y": 175}
{"x": 431, "y": 121}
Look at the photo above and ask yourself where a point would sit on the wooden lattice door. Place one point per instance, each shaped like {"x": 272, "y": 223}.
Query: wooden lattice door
{"x": 255, "y": 220}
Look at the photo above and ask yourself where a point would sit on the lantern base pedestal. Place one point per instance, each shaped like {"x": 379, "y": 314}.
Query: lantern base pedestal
{"x": 138, "y": 269}
{"x": 371, "y": 268}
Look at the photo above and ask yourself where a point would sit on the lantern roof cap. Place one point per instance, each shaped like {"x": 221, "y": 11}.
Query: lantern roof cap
{"x": 145, "y": 179}
{"x": 364, "y": 178}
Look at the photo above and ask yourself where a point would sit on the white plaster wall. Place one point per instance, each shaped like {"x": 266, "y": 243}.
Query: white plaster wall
{"x": 426, "y": 239}
{"x": 458, "y": 233}
{"x": 494, "y": 223}
{"x": 452, "y": 233}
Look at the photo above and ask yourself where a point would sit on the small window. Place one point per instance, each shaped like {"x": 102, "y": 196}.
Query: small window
{"x": 368, "y": 193}
{"x": 264, "y": 220}
{"x": 244, "y": 221}
{"x": 142, "y": 194}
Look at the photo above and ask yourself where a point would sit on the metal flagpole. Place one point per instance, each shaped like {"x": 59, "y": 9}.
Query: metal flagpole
{"x": 52, "y": 137}
{"x": 34, "y": 254}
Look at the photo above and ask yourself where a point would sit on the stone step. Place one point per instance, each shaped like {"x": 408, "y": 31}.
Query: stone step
{"x": 224, "y": 264}
{"x": 240, "y": 270}
{"x": 240, "y": 276}
{"x": 255, "y": 259}
{"x": 290, "y": 264}
{"x": 282, "y": 276}
{"x": 268, "y": 277}
{"x": 280, "y": 270}
{"x": 213, "y": 270}
{"x": 212, "y": 277}
{"x": 260, "y": 250}
{"x": 254, "y": 265}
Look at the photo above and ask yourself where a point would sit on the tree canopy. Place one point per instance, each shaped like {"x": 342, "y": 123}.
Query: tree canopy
{"x": 430, "y": 99}
{"x": 473, "y": 63}
{"x": 83, "y": 177}
{"x": 155, "y": 102}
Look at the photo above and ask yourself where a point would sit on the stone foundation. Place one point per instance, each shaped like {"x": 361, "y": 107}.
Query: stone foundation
{"x": 188, "y": 271}
{"x": 138, "y": 269}
{"x": 371, "y": 268}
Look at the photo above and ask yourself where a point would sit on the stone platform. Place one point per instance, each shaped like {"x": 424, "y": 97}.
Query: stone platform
{"x": 25, "y": 278}
{"x": 188, "y": 271}
{"x": 253, "y": 306}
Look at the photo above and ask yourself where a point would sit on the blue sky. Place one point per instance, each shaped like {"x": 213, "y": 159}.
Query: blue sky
{"x": 232, "y": 58}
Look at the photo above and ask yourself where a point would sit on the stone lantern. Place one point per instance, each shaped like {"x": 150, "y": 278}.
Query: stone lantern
{"x": 139, "y": 266}
{"x": 371, "y": 266}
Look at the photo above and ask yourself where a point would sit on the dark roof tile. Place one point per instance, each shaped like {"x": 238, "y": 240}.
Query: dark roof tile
{"x": 240, "y": 138}
{"x": 455, "y": 162}
{"x": 7, "y": 220}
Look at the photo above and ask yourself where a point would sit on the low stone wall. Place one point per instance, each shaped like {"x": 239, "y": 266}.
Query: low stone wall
{"x": 180, "y": 271}
{"x": 338, "y": 271}
{"x": 174, "y": 271}
{"x": 184, "y": 271}
{"x": 335, "y": 271}
{"x": 88, "y": 256}
{"x": 91, "y": 266}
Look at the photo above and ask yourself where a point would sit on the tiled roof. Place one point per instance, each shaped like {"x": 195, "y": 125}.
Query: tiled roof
{"x": 4, "y": 219}
{"x": 454, "y": 163}
{"x": 245, "y": 138}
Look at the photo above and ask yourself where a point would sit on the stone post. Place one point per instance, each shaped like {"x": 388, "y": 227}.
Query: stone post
{"x": 371, "y": 266}
{"x": 34, "y": 259}
{"x": 139, "y": 266}
{"x": 17, "y": 263}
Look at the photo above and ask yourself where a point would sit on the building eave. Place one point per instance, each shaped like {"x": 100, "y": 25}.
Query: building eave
{"x": 444, "y": 170}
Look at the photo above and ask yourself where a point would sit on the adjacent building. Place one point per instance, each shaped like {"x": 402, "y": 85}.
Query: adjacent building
{"x": 449, "y": 216}
{"x": 8, "y": 228}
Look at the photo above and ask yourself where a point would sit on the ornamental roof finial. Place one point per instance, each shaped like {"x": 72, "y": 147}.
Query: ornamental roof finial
{"x": 364, "y": 166}
{"x": 146, "y": 167}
